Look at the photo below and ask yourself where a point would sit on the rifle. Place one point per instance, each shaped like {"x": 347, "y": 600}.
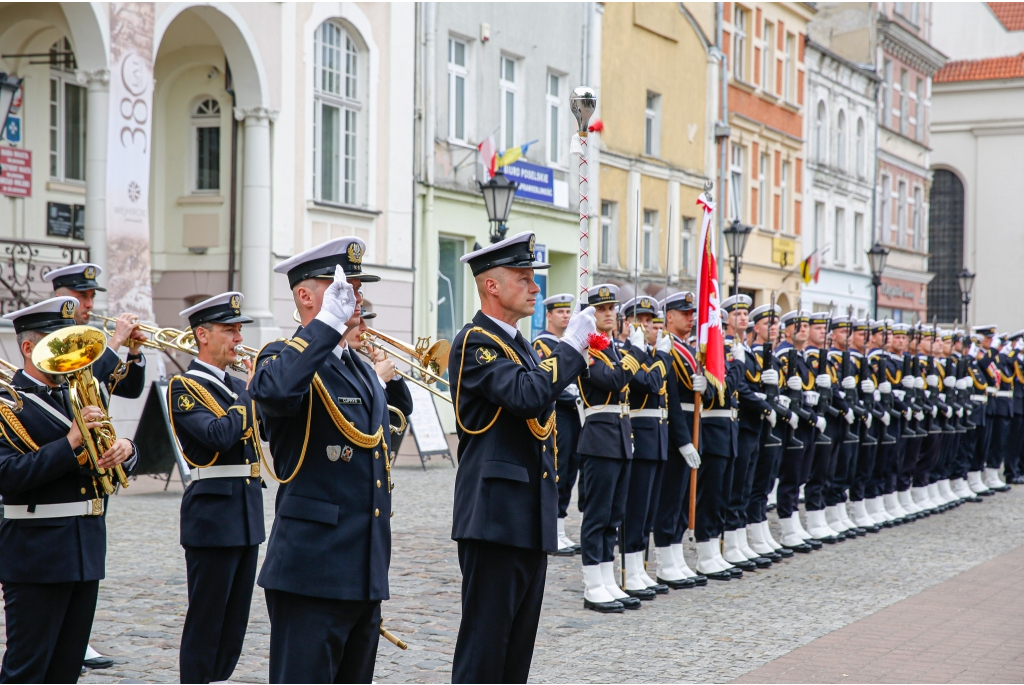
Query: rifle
{"x": 796, "y": 397}
{"x": 771, "y": 391}
{"x": 844, "y": 370}
{"x": 864, "y": 402}
{"x": 824, "y": 394}
{"x": 952, "y": 397}
{"x": 914, "y": 372}
{"x": 880, "y": 372}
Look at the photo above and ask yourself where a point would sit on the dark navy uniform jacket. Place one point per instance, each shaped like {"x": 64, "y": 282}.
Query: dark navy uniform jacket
{"x": 332, "y": 534}
{"x": 679, "y": 396}
{"x": 753, "y": 407}
{"x": 1018, "y": 383}
{"x": 647, "y": 391}
{"x": 129, "y": 387}
{"x": 505, "y": 489}
{"x": 719, "y": 422}
{"x": 607, "y": 434}
{"x": 53, "y": 550}
{"x": 219, "y": 512}
{"x": 1003, "y": 367}
{"x": 979, "y": 386}
{"x": 782, "y": 353}
{"x": 542, "y": 345}
{"x": 832, "y": 362}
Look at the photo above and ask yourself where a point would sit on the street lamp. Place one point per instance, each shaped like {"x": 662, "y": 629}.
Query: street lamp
{"x": 736, "y": 235}
{"x": 498, "y": 195}
{"x": 876, "y": 258}
{"x": 9, "y": 86}
{"x": 965, "y": 279}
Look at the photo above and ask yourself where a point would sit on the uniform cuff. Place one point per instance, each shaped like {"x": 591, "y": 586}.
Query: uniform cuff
{"x": 331, "y": 320}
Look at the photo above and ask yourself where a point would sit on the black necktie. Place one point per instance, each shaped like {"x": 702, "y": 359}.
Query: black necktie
{"x": 525, "y": 347}
{"x": 353, "y": 366}
{"x": 61, "y": 399}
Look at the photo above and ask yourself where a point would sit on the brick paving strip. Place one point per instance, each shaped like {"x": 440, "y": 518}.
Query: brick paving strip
{"x": 711, "y": 634}
{"x": 965, "y": 630}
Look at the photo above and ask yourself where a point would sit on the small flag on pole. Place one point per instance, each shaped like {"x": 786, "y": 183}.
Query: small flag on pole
{"x": 709, "y": 313}
{"x": 810, "y": 268}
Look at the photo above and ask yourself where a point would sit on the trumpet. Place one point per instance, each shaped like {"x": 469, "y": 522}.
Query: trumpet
{"x": 71, "y": 352}
{"x": 185, "y": 342}
{"x": 430, "y": 361}
{"x": 160, "y": 338}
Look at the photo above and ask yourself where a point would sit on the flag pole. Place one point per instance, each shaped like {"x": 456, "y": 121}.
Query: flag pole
{"x": 583, "y": 104}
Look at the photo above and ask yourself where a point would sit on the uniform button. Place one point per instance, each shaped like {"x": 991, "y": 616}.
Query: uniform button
{"x": 376, "y": 512}
{"x": 392, "y": 514}
{"x": 246, "y": 461}
{"x": 83, "y": 491}
{"x": 545, "y": 475}
{"x": 543, "y": 448}
{"x": 246, "y": 481}
{"x": 376, "y": 454}
{"x": 632, "y": 436}
{"x": 556, "y": 479}
{"x": 378, "y": 484}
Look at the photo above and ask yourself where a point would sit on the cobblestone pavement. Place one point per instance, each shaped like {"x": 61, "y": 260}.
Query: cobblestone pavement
{"x": 715, "y": 633}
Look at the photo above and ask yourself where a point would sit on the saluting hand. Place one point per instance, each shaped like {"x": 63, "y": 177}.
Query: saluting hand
{"x": 339, "y": 300}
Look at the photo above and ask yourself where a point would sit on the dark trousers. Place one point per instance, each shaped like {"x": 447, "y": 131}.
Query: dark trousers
{"x": 916, "y": 450}
{"x": 48, "y": 626}
{"x": 220, "y": 582}
{"x": 652, "y": 507}
{"x": 502, "y": 593}
{"x": 1013, "y": 464}
{"x": 982, "y": 440}
{"x": 638, "y": 502}
{"x": 317, "y": 640}
{"x": 965, "y": 453}
{"x": 999, "y": 447}
{"x": 928, "y": 459}
{"x": 607, "y": 485}
{"x": 671, "y": 518}
{"x": 713, "y": 478}
{"x": 947, "y": 457}
{"x": 845, "y": 468}
{"x": 743, "y": 471}
{"x": 765, "y": 473}
{"x": 823, "y": 467}
{"x": 567, "y": 423}
{"x": 865, "y": 462}
{"x": 792, "y": 471}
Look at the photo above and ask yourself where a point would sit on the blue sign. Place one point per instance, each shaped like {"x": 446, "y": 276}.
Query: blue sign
{"x": 12, "y": 132}
{"x": 540, "y": 320}
{"x": 535, "y": 182}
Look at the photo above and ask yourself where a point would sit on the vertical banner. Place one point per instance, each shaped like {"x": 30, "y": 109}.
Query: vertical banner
{"x": 129, "y": 144}
{"x": 709, "y": 315}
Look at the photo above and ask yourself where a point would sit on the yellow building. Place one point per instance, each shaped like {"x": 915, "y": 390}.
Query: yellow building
{"x": 654, "y": 153}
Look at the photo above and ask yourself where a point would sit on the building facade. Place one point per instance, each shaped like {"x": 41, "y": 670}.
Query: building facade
{"x": 841, "y": 97}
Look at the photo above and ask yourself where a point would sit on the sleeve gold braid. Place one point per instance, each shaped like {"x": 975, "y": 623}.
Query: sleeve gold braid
{"x": 170, "y": 415}
{"x": 19, "y": 429}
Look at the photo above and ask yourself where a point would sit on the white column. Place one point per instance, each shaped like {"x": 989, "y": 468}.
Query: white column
{"x": 97, "y": 83}
{"x": 256, "y": 260}
{"x": 674, "y": 235}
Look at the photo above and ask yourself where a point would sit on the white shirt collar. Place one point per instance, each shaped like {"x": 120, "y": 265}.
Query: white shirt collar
{"x": 34, "y": 380}
{"x": 339, "y": 348}
{"x": 511, "y": 330}
{"x": 217, "y": 373}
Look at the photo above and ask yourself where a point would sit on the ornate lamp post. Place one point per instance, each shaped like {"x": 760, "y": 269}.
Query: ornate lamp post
{"x": 876, "y": 258}
{"x": 965, "y": 279}
{"x": 498, "y": 195}
{"x": 736, "y": 235}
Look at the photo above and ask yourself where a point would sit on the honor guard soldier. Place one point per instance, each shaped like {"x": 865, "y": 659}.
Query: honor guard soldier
{"x": 567, "y": 421}
{"x": 1015, "y": 458}
{"x": 671, "y": 517}
{"x": 213, "y": 419}
{"x": 648, "y": 418}
{"x": 999, "y": 369}
{"x": 506, "y": 497}
{"x": 53, "y": 534}
{"x": 982, "y": 395}
{"x": 326, "y": 417}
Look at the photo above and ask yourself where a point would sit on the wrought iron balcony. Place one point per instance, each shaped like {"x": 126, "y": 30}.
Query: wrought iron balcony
{"x": 23, "y": 264}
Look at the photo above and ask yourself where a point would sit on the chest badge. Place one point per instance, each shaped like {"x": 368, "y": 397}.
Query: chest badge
{"x": 333, "y": 452}
{"x": 346, "y": 453}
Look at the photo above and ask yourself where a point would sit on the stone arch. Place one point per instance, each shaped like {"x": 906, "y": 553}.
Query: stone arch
{"x": 945, "y": 244}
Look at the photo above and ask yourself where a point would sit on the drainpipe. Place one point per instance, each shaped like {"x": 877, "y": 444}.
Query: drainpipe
{"x": 428, "y": 245}
{"x": 722, "y": 131}
{"x": 233, "y": 203}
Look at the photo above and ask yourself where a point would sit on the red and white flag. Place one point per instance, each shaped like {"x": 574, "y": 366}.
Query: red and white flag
{"x": 709, "y": 314}
{"x": 488, "y": 155}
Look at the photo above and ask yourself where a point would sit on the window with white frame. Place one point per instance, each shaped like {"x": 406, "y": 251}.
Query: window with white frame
{"x": 860, "y": 148}
{"x": 554, "y": 118}
{"x": 649, "y": 236}
{"x": 337, "y": 111}
{"x": 784, "y": 198}
{"x": 67, "y": 115}
{"x": 686, "y": 246}
{"x": 788, "y": 67}
{"x": 819, "y": 228}
{"x": 458, "y": 73}
{"x": 839, "y": 237}
{"x": 919, "y": 124}
{"x": 901, "y": 213}
{"x": 739, "y": 38}
{"x": 820, "y": 134}
{"x": 509, "y": 108}
{"x": 887, "y": 86}
{"x": 763, "y": 191}
{"x": 608, "y": 232}
{"x": 768, "y": 59}
{"x": 841, "y": 141}
{"x": 885, "y": 209}
{"x": 904, "y": 101}
{"x": 736, "y": 182}
{"x": 206, "y": 142}
{"x": 652, "y": 124}
{"x": 858, "y": 240}
{"x": 917, "y": 239}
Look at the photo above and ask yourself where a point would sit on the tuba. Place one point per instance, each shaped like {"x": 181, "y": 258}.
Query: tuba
{"x": 71, "y": 352}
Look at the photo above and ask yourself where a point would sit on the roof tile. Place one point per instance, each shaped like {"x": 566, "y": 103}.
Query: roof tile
{"x": 1009, "y": 14}
{"x": 990, "y": 69}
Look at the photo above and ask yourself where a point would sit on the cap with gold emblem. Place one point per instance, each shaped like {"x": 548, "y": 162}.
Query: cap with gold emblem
{"x": 320, "y": 262}
{"x": 78, "y": 277}
{"x": 764, "y": 311}
{"x": 513, "y": 253}
{"x": 46, "y": 316}
{"x": 606, "y": 293}
{"x": 563, "y": 301}
{"x": 223, "y": 308}
{"x": 640, "y": 305}
{"x": 683, "y": 302}
{"x": 986, "y": 331}
{"x": 794, "y": 317}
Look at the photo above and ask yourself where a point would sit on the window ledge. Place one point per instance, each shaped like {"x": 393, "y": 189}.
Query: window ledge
{"x": 791, "y": 106}
{"x": 201, "y": 200}
{"x": 742, "y": 85}
{"x": 61, "y": 187}
{"x": 454, "y": 142}
{"x": 346, "y": 210}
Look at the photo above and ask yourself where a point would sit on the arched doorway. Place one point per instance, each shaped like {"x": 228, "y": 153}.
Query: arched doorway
{"x": 946, "y": 245}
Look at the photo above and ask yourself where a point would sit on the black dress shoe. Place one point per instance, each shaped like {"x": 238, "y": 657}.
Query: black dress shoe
{"x": 830, "y": 540}
{"x": 745, "y": 565}
{"x": 772, "y": 556}
{"x": 719, "y": 575}
{"x": 762, "y": 562}
{"x": 815, "y": 544}
{"x": 564, "y": 552}
{"x": 974, "y": 498}
{"x": 784, "y": 552}
{"x": 700, "y": 579}
{"x": 802, "y": 548}
{"x": 577, "y": 548}
{"x": 645, "y": 595}
{"x": 736, "y": 571}
{"x": 676, "y": 584}
{"x": 629, "y": 602}
{"x": 660, "y": 589}
{"x": 861, "y": 532}
{"x": 987, "y": 493}
{"x": 873, "y": 528}
{"x": 98, "y": 662}
{"x": 888, "y": 524}
{"x": 613, "y": 607}
{"x": 1003, "y": 488}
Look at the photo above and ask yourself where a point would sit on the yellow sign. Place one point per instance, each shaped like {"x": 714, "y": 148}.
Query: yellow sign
{"x": 784, "y": 252}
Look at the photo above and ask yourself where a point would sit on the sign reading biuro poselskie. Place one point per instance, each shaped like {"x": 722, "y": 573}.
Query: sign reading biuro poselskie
{"x": 535, "y": 182}
{"x": 129, "y": 142}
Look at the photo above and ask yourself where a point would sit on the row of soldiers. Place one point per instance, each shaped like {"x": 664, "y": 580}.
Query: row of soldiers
{"x": 871, "y": 423}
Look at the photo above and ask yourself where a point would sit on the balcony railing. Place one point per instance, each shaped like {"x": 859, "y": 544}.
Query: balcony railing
{"x": 24, "y": 263}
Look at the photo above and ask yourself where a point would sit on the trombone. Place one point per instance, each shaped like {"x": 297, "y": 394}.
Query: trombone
{"x": 430, "y": 361}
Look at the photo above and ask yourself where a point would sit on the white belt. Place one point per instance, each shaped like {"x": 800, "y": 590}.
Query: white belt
{"x": 1004, "y": 393}
{"x": 990, "y": 390}
{"x": 686, "y": 406}
{"x": 92, "y": 507}
{"x": 648, "y": 414}
{"x": 232, "y": 471}
{"x": 718, "y": 414}
{"x": 980, "y": 398}
{"x": 620, "y": 409}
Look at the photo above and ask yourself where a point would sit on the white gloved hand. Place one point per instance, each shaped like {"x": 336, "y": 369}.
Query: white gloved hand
{"x": 850, "y": 383}
{"x": 849, "y": 416}
{"x": 637, "y": 337}
{"x": 870, "y": 418}
{"x": 885, "y": 387}
{"x": 908, "y": 382}
{"x": 581, "y": 325}
{"x": 960, "y": 413}
{"x": 867, "y": 386}
{"x": 664, "y": 343}
{"x": 908, "y": 415}
{"x": 899, "y": 394}
{"x": 820, "y": 424}
{"x": 770, "y": 377}
{"x": 794, "y": 383}
{"x": 963, "y": 383}
{"x": 886, "y": 418}
{"x": 739, "y": 354}
{"x": 339, "y": 302}
{"x": 783, "y": 401}
{"x": 932, "y": 380}
{"x": 949, "y": 382}
{"x": 823, "y": 380}
{"x": 919, "y": 415}
{"x": 691, "y": 456}
{"x": 935, "y": 410}
{"x": 773, "y": 418}
{"x": 949, "y": 412}
{"x": 877, "y": 396}
{"x": 700, "y": 384}
{"x": 919, "y": 383}
{"x": 811, "y": 397}
{"x": 794, "y": 421}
